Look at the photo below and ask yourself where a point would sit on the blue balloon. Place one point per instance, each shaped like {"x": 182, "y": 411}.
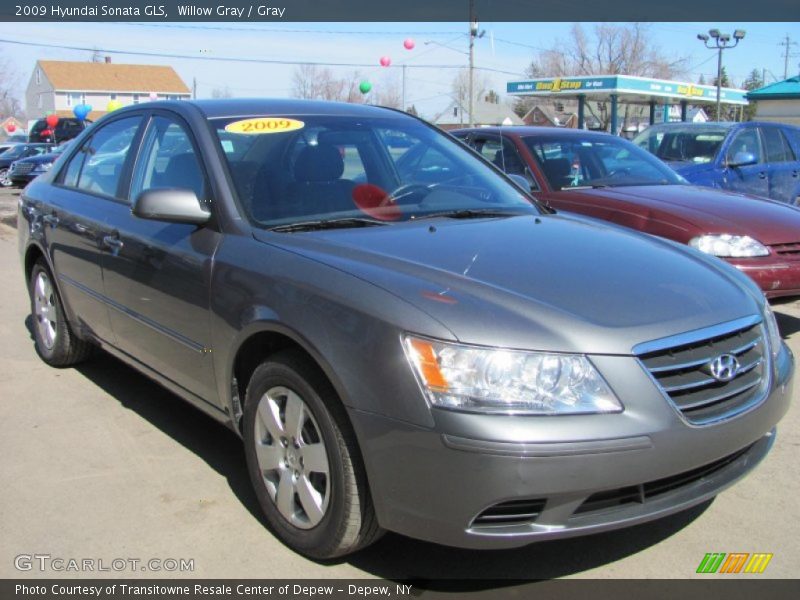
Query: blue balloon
{"x": 82, "y": 111}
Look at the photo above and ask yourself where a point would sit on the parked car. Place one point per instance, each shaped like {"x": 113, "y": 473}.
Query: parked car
{"x": 15, "y": 153}
{"x": 758, "y": 158}
{"x": 419, "y": 346}
{"x": 606, "y": 177}
{"x": 11, "y": 141}
{"x": 66, "y": 129}
{"x": 21, "y": 172}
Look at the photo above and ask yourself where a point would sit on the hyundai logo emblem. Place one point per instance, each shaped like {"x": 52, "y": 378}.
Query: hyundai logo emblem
{"x": 724, "y": 368}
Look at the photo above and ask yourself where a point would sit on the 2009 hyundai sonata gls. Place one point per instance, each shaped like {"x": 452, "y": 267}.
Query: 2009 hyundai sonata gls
{"x": 403, "y": 339}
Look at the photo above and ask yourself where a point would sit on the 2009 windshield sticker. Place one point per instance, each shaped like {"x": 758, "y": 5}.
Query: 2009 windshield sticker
{"x": 261, "y": 125}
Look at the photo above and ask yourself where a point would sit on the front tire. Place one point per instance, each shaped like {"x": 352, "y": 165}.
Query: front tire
{"x": 55, "y": 342}
{"x": 4, "y": 180}
{"x": 304, "y": 462}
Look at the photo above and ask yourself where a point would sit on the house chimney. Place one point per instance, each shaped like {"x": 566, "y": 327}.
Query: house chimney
{"x": 108, "y": 60}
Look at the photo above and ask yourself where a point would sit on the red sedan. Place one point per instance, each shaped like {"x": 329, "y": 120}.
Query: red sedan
{"x": 606, "y": 177}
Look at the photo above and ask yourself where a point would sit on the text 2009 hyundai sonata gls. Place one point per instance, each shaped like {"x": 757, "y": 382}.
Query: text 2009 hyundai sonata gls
{"x": 403, "y": 339}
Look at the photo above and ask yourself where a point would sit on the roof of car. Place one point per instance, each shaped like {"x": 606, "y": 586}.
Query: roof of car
{"x": 283, "y": 106}
{"x": 528, "y": 130}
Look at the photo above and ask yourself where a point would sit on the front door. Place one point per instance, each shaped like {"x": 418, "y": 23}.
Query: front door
{"x": 748, "y": 179}
{"x": 157, "y": 277}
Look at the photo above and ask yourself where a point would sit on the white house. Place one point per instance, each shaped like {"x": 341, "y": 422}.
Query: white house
{"x": 59, "y": 86}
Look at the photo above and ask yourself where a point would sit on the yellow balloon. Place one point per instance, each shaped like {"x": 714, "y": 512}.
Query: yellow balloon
{"x": 113, "y": 105}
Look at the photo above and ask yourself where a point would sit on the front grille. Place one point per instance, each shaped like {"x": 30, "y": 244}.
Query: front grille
{"x": 684, "y": 374}
{"x": 641, "y": 493}
{"x": 513, "y": 512}
{"x": 22, "y": 168}
{"x": 789, "y": 251}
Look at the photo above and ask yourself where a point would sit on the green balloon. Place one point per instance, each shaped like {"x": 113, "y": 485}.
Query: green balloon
{"x": 365, "y": 87}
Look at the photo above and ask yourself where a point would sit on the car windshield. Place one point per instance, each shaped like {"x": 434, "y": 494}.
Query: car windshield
{"x": 682, "y": 144}
{"x": 575, "y": 161}
{"x": 355, "y": 170}
{"x": 15, "y": 151}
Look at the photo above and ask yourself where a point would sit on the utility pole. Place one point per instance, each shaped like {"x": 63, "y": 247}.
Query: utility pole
{"x": 786, "y": 43}
{"x": 473, "y": 30}
{"x": 404, "y": 88}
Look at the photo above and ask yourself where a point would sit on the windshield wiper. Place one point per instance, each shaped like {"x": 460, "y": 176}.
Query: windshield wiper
{"x": 319, "y": 224}
{"x": 469, "y": 213}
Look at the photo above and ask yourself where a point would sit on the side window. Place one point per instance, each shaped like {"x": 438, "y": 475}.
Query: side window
{"x": 167, "y": 160}
{"x": 505, "y": 156}
{"x": 489, "y": 149}
{"x": 777, "y": 148}
{"x": 746, "y": 140}
{"x": 98, "y": 166}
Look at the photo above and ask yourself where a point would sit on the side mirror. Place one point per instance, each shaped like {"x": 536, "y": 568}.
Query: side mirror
{"x": 520, "y": 181}
{"x": 171, "y": 205}
{"x": 742, "y": 159}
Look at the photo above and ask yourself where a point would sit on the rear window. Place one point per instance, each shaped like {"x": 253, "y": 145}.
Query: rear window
{"x": 697, "y": 145}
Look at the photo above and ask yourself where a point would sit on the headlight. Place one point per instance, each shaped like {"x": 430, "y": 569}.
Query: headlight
{"x": 42, "y": 167}
{"x": 729, "y": 246}
{"x": 773, "y": 333}
{"x": 490, "y": 380}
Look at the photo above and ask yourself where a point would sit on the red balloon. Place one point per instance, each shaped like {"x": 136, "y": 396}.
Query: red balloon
{"x": 11, "y": 128}
{"x": 385, "y": 61}
{"x": 45, "y": 133}
{"x": 409, "y": 44}
{"x": 52, "y": 120}
{"x": 375, "y": 202}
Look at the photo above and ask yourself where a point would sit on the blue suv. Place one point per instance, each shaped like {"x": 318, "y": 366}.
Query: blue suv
{"x": 757, "y": 158}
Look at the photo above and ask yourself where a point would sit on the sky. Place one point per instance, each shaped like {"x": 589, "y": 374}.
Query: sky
{"x": 199, "y": 51}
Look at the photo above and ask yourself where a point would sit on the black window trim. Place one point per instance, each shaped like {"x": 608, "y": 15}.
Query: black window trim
{"x": 58, "y": 180}
{"x": 150, "y": 116}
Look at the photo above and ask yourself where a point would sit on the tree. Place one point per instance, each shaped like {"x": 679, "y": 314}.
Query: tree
{"x": 10, "y": 105}
{"x": 221, "y": 92}
{"x": 726, "y": 113}
{"x": 460, "y": 86}
{"x": 754, "y": 81}
{"x": 609, "y": 49}
{"x": 723, "y": 77}
{"x": 311, "y": 82}
{"x": 412, "y": 110}
{"x": 701, "y": 80}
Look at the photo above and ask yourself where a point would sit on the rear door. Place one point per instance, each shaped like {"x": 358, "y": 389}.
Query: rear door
{"x": 748, "y": 179}
{"x": 74, "y": 219}
{"x": 784, "y": 168}
{"x": 157, "y": 273}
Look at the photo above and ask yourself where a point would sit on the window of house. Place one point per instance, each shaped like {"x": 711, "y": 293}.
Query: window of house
{"x": 38, "y": 76}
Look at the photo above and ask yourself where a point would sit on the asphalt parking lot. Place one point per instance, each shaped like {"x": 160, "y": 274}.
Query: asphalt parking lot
{"x": 100, "y": 463}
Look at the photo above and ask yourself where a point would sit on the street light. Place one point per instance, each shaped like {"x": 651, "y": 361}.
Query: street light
{"x": 722, "y": 41}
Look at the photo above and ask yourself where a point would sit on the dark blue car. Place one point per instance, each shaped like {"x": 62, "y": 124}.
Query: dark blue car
{"x": 757, "y": 158}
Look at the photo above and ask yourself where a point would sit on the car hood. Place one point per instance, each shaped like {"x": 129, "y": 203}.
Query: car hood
{"x": 715, "y": 211}
{"x": 40, "y": 159}
{"x": 557, "y": 282}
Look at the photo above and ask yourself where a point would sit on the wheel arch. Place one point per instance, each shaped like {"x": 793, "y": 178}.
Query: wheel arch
{"x": 256, "y": 343}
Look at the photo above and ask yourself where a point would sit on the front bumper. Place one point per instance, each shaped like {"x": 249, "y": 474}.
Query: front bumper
{"x": 457, "y": 484}
{"x": 21, "y": 181}
{"x": 775, "y": 277}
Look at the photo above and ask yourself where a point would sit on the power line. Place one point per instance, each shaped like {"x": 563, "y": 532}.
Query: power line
{"x": 241, "y": 59}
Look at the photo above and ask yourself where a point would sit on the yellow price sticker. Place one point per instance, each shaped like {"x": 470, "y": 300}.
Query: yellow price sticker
{"x": 261, "y": 125}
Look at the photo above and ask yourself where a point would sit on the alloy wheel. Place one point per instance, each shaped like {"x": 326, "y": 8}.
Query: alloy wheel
{"x": 292, "y": 457}
{"x": 45, "y": 310}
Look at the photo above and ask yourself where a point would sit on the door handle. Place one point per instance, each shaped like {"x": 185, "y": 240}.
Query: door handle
{"x": 762, "y": 175}
{"x": 113, "y": 243}
{"x": 51, "y": 220}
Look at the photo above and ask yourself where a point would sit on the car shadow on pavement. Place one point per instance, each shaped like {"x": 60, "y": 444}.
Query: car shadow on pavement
{"x": 787, "y": 324}
{"x": 427, "y": 565}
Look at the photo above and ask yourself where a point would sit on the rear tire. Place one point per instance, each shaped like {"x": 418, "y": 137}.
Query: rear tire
{"x": 4, "y": 180}
{"x": 304, "y": 461}
{"x": 55, "y": 342}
